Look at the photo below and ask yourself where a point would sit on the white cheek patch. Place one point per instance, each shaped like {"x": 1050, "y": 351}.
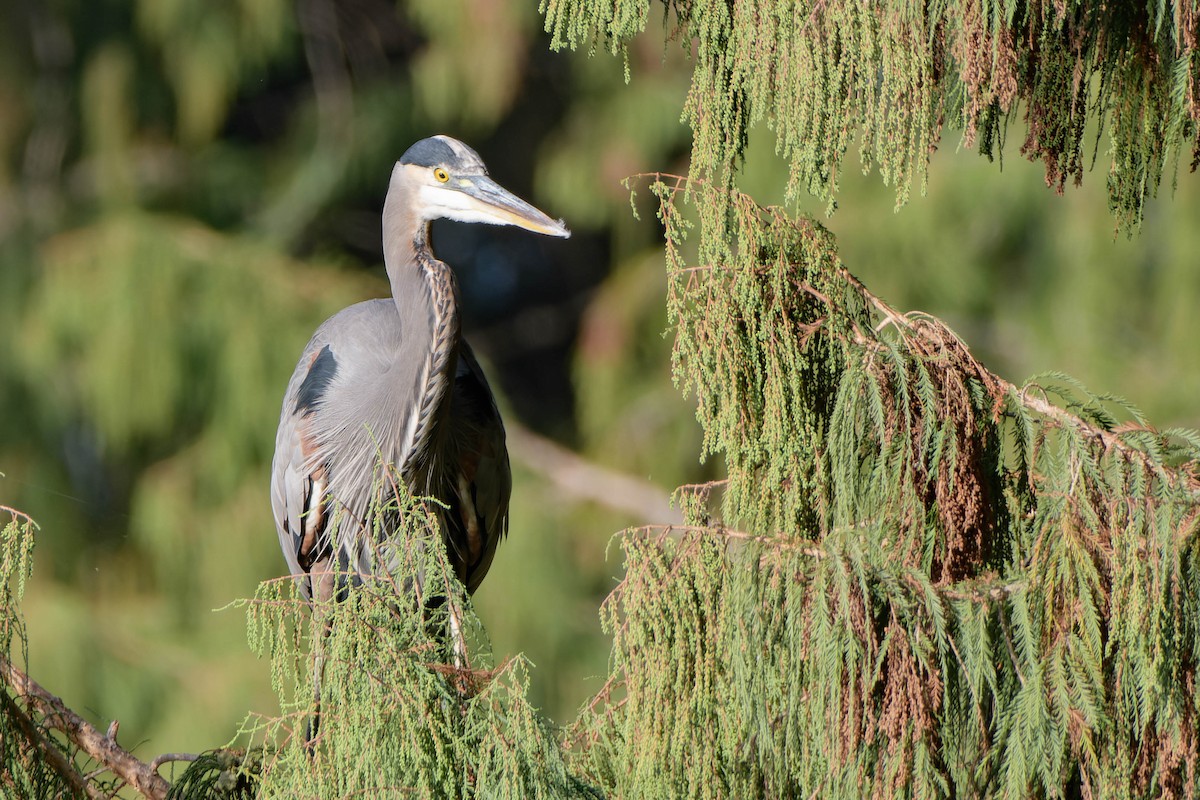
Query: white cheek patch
{"x": 437, "y": 202}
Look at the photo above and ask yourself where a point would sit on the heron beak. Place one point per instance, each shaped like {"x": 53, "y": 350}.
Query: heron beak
{"x": 495, "y": 204}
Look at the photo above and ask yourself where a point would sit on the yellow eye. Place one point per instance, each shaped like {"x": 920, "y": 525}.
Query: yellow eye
{"x": 441, "y": 175}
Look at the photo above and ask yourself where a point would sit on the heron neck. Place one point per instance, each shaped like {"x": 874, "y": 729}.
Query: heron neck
{"x": 420, "y": 282}
{"x": 425, "y": 292}
{"x": 405, "y": 234}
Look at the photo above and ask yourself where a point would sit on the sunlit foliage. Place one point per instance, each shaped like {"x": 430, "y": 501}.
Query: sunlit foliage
{"x": 918, "y": 579}
{"x": 26, "y": 771}
{"x": 893, "y": 73}
{"x": 396, "y": 716}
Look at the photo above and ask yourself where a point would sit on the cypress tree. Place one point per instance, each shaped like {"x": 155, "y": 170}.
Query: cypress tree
{"x": 916, "y": 578}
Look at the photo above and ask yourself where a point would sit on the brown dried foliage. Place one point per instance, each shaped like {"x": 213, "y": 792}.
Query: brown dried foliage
{"x": 961, "y": 489}
{"x": 987, "y": 63}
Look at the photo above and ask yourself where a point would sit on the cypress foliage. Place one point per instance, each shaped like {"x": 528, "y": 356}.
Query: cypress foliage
{"x": 896, "y": 72}
{"x": 916, "y": 579}
{"x": 31, "y": 760}
{"x": 396, "y": 717}
{"x": 919, "y": 581}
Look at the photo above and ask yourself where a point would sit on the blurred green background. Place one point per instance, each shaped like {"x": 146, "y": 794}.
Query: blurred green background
{"x": 188, "y": 187}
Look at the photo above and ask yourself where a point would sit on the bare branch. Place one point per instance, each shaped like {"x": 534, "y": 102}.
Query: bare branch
{"x": 103, "y": 749}
{"x": 54, "y": 757}
{"x": 18, "y": 515}
{"x": 585, "y": 480}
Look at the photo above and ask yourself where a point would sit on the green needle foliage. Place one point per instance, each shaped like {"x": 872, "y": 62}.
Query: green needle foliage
{"x": 25, "y": 754}
{"x": 895, "y": 72}
{"x": 919, "y": 580}
{"x": 396, "y": 716}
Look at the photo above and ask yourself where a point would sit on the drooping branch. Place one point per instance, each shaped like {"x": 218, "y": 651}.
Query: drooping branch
{"x": 923, "y": 334}
{"x": 912, "y": 557}
{"x": 892, "y": 76}
{"x": 998, "y": 387}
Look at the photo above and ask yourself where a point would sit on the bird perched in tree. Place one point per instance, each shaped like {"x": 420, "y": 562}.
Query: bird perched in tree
{"x": 391, "y": 383}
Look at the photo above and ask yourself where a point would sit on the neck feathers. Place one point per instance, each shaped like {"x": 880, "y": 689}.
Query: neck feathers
{"x": 437, "y": 371}
{"x": 425, "y": 292}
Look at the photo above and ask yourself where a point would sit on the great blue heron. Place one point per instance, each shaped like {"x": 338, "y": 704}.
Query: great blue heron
{"x": 391, "y": 382}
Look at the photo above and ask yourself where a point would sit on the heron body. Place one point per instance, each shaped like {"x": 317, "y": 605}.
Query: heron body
{"x": 390, "y": 383}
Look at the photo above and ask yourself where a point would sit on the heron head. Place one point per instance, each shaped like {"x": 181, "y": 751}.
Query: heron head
{"x": 448, "y": 180}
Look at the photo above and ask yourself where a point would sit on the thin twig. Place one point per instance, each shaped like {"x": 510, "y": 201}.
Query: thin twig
{"x": 783, "y": 542}
{"x": 18, "y": 514}
{"x": 169, "y": 757}
{"x": 975, "y": 593}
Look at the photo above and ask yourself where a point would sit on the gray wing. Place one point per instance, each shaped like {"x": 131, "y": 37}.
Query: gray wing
{"x": 339, "y": 370}
{"x": 298, "y": 486}
{"x": 478, "y": 515}
{"x": 340, "y": 415}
